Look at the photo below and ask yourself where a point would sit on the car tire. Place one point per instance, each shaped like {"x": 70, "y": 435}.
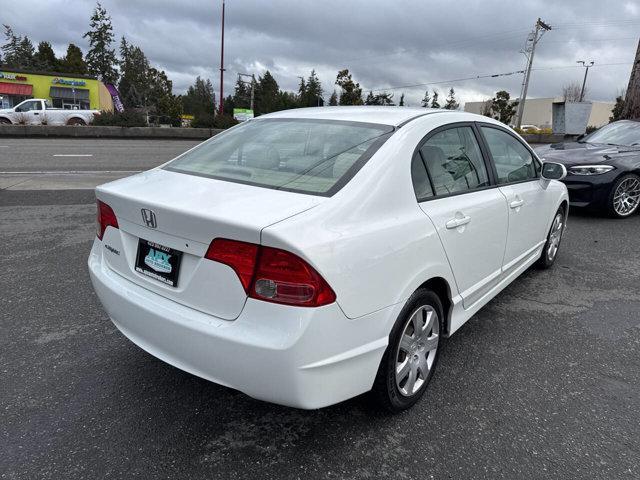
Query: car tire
{"x": 554, "y": 238}
{"x": 622, "y": 186}
{"x": 401, "y": 379}
{"x": 78, "y": 122}
{"x": 5, "y": 121}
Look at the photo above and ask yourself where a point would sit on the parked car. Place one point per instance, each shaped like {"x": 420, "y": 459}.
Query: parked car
{"x": 530, "y": 129}
{"x": 603, "y": 168}
{"x": 37, "y": 111}
{"x": 308, "y": 256}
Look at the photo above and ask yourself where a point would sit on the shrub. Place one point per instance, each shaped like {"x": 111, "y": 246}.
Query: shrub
{"x": 207, "y": 120}
{"x": 128, "y": 118}
{"x": 591, "y": 129}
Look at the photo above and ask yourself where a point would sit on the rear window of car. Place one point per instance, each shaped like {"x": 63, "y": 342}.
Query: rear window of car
{"x": 301, "y": 155}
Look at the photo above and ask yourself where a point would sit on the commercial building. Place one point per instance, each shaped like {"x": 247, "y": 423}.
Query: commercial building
{"x": 62, "y": 90}
{"x": 538, "y": 111}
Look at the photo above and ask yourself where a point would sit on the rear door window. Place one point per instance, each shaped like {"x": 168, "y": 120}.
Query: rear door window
{"x": 454, "y": 161}
{"x": 301, "y": 155}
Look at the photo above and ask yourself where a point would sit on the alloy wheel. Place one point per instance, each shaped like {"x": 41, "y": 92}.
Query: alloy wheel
{"x": 626, "y": 197}
{"x": 555, "y": 235}
{"x": 417, "y": 349}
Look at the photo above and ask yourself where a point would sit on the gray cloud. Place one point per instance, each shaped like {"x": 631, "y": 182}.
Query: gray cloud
{"x": 384, "y": 44}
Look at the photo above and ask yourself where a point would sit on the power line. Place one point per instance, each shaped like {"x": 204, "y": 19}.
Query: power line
{"x": 494, "y": 75}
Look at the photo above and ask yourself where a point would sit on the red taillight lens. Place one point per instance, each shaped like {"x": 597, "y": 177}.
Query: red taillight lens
{"x": 272, "y": 274}
{"x": 104, "y": 218}
{"x": 241, "y": 256}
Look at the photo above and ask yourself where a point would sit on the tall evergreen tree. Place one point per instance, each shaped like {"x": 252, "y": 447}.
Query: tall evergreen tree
{"x": 267, "y": 95}
{"x": 101, "y": 57}
{"x": 434, "y": 100}
{"x": 134, "y": 70}
{"x": 451, "y": 103}
{"x": 333, "y": 99}
{"x": 351, "y": 93}
{"x": 426, "y": 99}
{"x": 241, "y": 95}
{"x": 18, "y": 50}
{"x": 45, "y": 58}
{"x": 199, "y": 98}
{"x": 73, "y": 62}
{"x": 401, "y": 102}
{"x": 311, "y": 91}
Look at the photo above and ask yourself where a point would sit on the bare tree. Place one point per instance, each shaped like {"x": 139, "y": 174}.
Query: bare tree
{"x": 571, "y": 92}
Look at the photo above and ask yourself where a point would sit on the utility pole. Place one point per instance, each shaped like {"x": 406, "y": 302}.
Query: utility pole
{"x": 222, "y": 65}
{"x": 631, "y": 109}
{"x": 586, "y": 70}
{"x": 529, "y": 50}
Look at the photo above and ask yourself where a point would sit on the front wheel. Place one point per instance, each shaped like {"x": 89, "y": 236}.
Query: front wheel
{"x": 5, "y": 121}
{"x": 624, "y": 198}
{"x": 552, "y": 245}
{"x": 412, "y": 354}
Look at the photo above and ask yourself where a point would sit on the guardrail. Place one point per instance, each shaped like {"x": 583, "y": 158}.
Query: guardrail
{"x": 164, "y": 132}
{"x": 106, "y": 132}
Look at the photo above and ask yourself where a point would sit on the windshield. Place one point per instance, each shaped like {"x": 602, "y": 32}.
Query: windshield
{"x": 617, "y": 133}
{"x": 301, "y": 155}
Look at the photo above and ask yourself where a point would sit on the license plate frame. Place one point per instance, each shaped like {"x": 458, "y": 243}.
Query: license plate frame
{"x": 158, "y": 262}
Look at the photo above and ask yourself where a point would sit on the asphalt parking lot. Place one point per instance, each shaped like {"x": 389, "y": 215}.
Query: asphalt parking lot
{"x": 543, "y": 382}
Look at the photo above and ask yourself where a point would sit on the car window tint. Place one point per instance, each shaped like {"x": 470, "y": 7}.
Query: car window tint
{"x": 513, "y": 161}
{"x": 454, "y": 161}
{"x": 421, "y": 184}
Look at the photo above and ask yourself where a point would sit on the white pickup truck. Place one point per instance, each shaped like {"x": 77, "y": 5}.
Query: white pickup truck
{"x": 37, "y": 111}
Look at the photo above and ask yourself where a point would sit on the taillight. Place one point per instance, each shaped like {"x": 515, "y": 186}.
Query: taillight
{"x": 104, "y": 218}
{"x": 272, "y": 274}
{"x": 240, "y": 256}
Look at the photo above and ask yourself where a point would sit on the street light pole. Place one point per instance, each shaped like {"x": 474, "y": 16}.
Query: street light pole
{"x": 222, "y": 65}
{"x": 586, "y": 71}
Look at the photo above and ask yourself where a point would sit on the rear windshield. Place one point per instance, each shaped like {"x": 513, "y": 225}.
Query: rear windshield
{"x": 308, "y": 156}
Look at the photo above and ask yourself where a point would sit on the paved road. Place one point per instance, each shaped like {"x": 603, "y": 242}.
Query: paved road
{"x": 541, "y": 383}
{"x": 68, "y": 163}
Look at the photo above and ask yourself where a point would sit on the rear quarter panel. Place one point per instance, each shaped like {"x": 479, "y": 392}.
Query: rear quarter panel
{"x": 371, "y": 241}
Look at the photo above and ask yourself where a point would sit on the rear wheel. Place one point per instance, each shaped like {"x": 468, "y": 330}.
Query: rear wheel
{"x": 412, "y": 354}
{"x": 552, "y": 245}
{"x": 76, "y": 122}
{"x": 5, "y": 121}
{"x": 624, "y": 198}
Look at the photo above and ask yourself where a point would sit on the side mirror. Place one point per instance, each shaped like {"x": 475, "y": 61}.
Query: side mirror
{"x": 553, "y": 171}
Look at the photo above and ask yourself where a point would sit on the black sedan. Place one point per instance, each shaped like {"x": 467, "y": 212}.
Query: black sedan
{"x": 603, "y": 168}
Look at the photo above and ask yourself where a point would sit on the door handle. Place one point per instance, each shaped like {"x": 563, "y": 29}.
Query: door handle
{"x": 457, "y": 222}
{"x": 516, "y": 203}
{"x": 36, "y": 113}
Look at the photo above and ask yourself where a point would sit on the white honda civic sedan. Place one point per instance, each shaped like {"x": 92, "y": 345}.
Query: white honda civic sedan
{"x": 311, "y": 255}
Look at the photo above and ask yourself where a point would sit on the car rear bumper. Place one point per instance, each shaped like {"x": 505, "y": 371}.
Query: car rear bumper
{"x": 300, "y": 357}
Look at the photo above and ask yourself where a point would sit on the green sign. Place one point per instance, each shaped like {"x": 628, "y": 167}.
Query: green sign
{"x": 242, "y": 114}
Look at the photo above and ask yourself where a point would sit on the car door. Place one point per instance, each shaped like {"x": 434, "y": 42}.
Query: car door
{"x": 469, "y": 214}
{"x": 517, "y": 172}
{"x": 30, "y": 112}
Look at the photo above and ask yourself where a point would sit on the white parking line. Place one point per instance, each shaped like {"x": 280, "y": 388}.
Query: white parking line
{"x": 73, "y": 155}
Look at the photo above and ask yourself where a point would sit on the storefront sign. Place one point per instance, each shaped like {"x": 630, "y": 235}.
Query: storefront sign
{"x": 64, "y": 81}
{"x": 13, "y": 76}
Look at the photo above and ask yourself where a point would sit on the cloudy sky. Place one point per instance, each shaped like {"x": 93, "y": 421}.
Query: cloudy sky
{"x": 384, "y": 44}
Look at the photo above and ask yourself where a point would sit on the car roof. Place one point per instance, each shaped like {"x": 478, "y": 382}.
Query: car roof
{"x": 395, "y": 116}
